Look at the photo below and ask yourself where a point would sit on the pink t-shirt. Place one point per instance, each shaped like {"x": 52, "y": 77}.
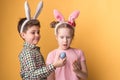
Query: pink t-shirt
{"x": 66, "y": 72}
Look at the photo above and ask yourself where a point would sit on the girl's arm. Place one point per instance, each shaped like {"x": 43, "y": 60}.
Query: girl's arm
{"x": 81, "y": 72}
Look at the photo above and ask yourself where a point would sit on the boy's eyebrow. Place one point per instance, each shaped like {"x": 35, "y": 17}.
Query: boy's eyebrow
{"x": 35, "y": 30}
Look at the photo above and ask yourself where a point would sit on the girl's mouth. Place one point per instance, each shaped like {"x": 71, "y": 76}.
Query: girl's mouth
{"x": 64, "y": 44}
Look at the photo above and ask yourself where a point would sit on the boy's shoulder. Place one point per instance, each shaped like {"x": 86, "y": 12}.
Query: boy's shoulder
{"x": 25, "y": 52}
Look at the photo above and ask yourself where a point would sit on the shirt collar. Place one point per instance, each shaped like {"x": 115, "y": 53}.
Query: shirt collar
{"x": 32, "y": 46}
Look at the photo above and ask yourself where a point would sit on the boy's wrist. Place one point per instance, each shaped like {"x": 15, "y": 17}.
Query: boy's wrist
{"x": 54, "y": 66}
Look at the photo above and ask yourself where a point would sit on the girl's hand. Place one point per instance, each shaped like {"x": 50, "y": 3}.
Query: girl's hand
{"x": 76, "y": 66}
{"x": 80, "y": 69}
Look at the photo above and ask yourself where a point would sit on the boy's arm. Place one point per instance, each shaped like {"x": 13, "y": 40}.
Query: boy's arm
{"x": 43, "y": 72}
{"x": 51, "y": 76}
{"x": 49, "y": 60}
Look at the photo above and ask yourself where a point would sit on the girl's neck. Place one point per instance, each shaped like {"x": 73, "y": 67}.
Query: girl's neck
{"x": 63, "y": 49}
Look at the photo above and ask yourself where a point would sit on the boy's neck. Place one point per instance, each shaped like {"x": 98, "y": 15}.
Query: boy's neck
{"x": 29, "y": 43}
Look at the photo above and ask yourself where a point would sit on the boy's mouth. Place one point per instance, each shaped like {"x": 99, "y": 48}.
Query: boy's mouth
{"x": 37, "y": 39}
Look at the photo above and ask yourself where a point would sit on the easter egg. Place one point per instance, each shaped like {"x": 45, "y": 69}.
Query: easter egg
{"x": 62, "y": 55}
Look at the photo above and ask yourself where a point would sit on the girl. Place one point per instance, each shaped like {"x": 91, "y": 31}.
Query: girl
{"x": 75, "y": 67}
{"x": 31, "y": 60}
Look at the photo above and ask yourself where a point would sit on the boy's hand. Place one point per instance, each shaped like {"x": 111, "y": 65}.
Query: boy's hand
{"x": 60, "y": 62}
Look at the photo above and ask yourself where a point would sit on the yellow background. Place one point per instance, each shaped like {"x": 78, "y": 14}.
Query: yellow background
{"x": 97, "y": 34}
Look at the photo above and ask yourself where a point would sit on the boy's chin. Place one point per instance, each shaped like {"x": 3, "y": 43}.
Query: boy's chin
{"x": 35, "y": 43}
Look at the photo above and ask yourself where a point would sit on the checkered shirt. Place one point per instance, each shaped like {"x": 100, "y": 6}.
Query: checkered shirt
{"x": 32, "y": 64}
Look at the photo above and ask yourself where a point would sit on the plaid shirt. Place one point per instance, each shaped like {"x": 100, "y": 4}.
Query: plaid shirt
{"x": 32, "y": 64}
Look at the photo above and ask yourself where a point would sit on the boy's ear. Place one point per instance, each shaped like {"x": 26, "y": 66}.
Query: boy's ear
{"x": 22, "y": 35}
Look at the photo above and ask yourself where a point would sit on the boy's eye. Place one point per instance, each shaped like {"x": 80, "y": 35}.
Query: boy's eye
{"x": 38, "y": 32}
{"x": 33, "y": 32}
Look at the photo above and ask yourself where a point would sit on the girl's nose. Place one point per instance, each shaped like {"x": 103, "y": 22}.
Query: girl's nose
{"x": 65, "y": 39}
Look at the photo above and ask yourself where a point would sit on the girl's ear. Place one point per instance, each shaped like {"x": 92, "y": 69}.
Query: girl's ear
{"x": 56, "y": 36}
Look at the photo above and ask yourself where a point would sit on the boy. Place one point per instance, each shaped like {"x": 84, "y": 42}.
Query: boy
{"x": 31, "y": 60}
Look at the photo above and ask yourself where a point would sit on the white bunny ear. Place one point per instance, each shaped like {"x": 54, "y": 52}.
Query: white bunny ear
{"x": 73, "y": 16}
{"x": 27, "y": 10}
{"x": 38, "y": 10}
{"x": 58, "y": 16}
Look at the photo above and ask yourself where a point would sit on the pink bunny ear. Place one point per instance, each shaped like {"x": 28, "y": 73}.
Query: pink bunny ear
{"x": 58, "y": 16}
{"x": 73, "y": 16}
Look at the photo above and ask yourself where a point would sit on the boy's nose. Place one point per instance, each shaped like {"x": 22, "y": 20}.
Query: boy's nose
{"x": 37, "y": 35}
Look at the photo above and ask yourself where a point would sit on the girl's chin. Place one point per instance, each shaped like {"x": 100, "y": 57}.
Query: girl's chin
{"x": 64, "y": 48}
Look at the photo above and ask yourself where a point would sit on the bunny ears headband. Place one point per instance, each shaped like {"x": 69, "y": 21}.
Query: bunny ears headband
{"x": 60, "y": 18}
{"x": 27, "y": 13}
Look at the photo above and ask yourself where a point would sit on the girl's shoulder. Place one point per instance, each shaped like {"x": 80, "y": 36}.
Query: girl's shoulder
{"x": 53, "y": 52}
{"x": 77, "y": 50}
{"x": 80, "y": 53}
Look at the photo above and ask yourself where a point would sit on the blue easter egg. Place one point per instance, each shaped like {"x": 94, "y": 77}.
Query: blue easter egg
{"x": 62, "y": 55}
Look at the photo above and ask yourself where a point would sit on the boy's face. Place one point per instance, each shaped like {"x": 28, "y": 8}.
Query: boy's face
{"x": 64, "y": 38}
{"x": 32, "y": 35}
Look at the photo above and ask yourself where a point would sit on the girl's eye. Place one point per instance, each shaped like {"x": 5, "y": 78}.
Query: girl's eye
{"x": 68, "y": 37}
{"x": 61, "y": 37}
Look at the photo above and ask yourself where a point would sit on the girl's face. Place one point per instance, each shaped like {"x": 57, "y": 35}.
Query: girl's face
{"x": 64, "y": 38}
{"x": 32, "y": 35}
